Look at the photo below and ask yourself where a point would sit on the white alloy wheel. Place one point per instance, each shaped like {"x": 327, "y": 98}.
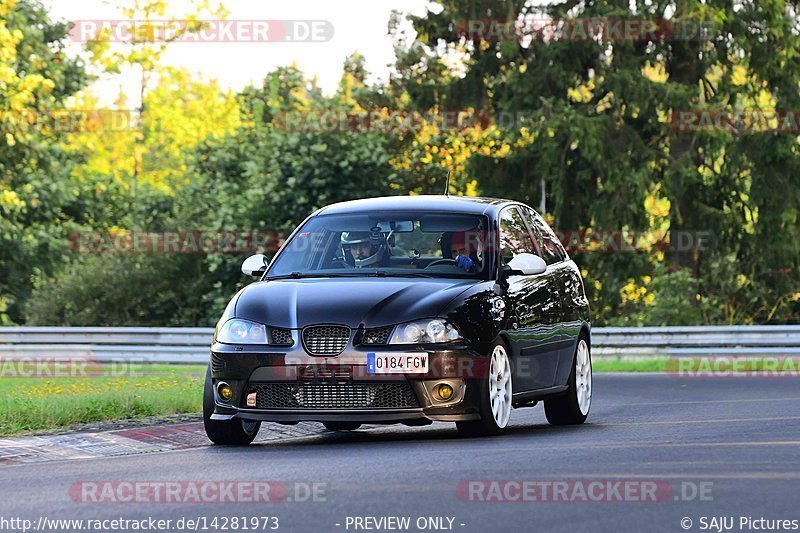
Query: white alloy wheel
{"x": 583, "y": 377}
{"x": 500, "y": 386}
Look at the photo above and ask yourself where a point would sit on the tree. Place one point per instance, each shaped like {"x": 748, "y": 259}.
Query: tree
{"x": 594, "y": 132}
{"x": 39, "y": 204}
{"x": 143, "y": 52}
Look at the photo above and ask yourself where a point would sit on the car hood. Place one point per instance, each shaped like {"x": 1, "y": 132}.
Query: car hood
{"x": 352, "y": 302}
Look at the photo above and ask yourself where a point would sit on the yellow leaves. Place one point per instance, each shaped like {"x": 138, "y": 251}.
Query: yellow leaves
{"x": 581, "y": 94}
{"x": 6, "y": 6}
{"x": 18, "y": 91}
{"x": 10, "y": 201}
{"x": 523, "y": 68}
{"x": 10, "y": 139}
{"x": 765, "y": 100}
{"x": 657, "y": 207}
{"x": 739, "y": 75}
{"x": 655, "y": 73}
{"x": 634, "y": 293}
{"x": 442, "y": 142}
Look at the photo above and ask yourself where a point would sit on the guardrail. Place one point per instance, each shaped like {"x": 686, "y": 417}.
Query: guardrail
{"x": 190, "y": 345}
{"x": 736, "y": 341}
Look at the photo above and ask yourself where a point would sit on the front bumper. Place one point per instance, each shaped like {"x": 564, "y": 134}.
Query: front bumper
{"x": 245, "y": 368}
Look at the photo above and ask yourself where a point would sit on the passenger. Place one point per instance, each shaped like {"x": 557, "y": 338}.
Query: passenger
{"x": 467, "y": 250}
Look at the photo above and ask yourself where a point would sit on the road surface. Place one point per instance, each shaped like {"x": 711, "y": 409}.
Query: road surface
{"x": 700, "y": 447}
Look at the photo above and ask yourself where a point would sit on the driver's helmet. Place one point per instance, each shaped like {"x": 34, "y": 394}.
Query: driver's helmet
{"x": 364, "y": 247}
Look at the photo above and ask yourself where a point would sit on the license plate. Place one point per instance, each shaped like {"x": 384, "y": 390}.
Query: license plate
{"x": 397, "y": 363}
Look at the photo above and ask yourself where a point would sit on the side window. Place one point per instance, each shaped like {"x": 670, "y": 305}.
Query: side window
{"x": 514, "y": 236}
{"x": 552, "y": 250}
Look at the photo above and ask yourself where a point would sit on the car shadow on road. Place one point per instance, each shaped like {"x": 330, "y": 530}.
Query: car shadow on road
{"x": 436, "y": 433}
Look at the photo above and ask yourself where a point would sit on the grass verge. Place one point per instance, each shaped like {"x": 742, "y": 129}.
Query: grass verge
{"x": 642, "y": 365}
{"x": 30, "y": 404}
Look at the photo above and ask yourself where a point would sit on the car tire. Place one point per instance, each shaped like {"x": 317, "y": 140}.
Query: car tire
{"x": 341, "y": 426}
{"x": 496, "y": 391}
{"x": 573, "y": 406}
{"x": 235, "y": 432}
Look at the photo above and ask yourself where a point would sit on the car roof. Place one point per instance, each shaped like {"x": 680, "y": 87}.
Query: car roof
{"x": 449, "y": 204}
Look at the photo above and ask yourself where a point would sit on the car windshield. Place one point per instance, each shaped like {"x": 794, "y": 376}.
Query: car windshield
{"x": 404, "y": 244}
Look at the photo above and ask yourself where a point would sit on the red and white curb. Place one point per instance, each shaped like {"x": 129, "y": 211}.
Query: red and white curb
{"x": 40, "y": 449}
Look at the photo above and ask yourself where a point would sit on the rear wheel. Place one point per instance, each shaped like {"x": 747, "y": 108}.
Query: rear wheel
{"x": 495, "y": 391}
{"x": 573, "y": 407}
{"x": 341, "y": 426}
{"x": 226, "y": 432}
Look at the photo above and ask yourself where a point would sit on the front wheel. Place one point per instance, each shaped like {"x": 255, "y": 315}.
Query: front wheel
{"x": 573, "y": 407}
{"x": 495, "y": 392}
{"x": 226, "y": 432}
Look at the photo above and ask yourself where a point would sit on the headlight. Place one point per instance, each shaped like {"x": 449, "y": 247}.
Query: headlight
{"x": 237, "y": 331}
{"x": 424, "y": 331}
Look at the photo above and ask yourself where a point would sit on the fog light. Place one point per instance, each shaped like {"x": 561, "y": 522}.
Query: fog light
{"x": 444, "y": 391}
{"x": 225, "y": 391}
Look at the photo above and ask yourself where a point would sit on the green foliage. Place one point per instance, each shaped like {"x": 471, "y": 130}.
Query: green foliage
{"x": 39, "y": 203}
{"x": 123, "y": 289}
{"x": 594, "y": 127}
{"x": 665, "y": 299}
{"x": 589, "y": 122}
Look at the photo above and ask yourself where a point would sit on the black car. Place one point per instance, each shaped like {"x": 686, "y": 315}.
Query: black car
{"x": 404, "y": 310}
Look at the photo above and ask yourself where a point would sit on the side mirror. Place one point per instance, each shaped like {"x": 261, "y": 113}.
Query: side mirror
{"x": 255, "y": 265}
{"x": 525, "y": 265}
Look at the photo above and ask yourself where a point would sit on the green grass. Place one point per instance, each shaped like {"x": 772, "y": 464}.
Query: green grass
{"x": 29, "y": 404}
{"x": 643, "y": 365}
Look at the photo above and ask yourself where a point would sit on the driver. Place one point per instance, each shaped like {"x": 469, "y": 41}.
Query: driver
{"x": 363, "y": 248}
{"x": 466, "y": 250}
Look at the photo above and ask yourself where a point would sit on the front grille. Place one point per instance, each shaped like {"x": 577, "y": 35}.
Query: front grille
{"x": 376, "y": 336}
{"x": 322, "y": 395}
{"x": 336, "y": 373}
{"x": 325, "y": 340}
{"x": 281, "y": 337}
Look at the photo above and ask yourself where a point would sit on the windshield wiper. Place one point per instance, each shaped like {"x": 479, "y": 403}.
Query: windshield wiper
{"x": 299, "y": 275}
{"x": 293, "y": 275}
{"x": 377, "y": 274}
{"x": 383, "y": 274}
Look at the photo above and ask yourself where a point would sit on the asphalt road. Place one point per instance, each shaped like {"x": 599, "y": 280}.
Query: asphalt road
{"x": 713, "y": 447}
